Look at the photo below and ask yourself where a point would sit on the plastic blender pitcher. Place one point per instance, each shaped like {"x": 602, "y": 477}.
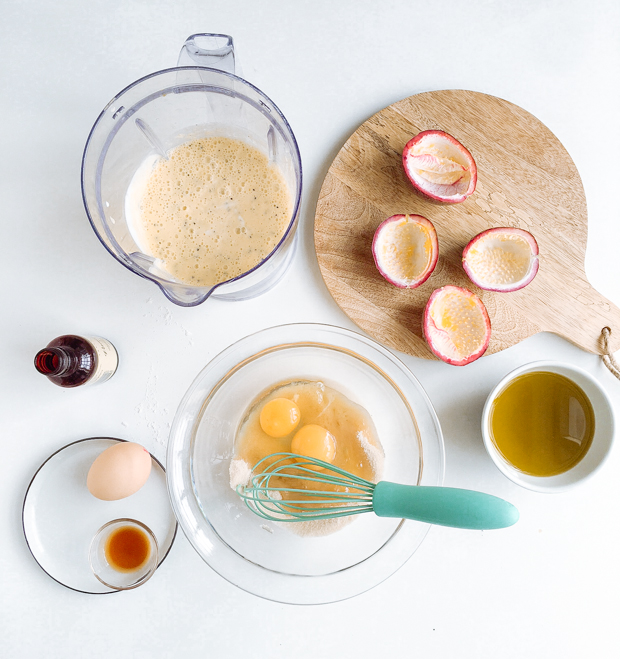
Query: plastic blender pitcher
{"x": 201, "y": 97}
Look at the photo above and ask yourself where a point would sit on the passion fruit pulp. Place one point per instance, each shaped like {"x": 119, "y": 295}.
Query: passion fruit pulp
{"x": 440, "y": 167}
{"x": 502, "y": 259}
{"x": 456, "y": 325}
{"x": 405, "y": 250}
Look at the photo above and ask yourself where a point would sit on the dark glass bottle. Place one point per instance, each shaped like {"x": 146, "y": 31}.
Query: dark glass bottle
{"x": 71, "y": 361}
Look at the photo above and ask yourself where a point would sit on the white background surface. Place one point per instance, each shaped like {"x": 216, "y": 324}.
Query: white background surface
{"x": 547, "y": 587}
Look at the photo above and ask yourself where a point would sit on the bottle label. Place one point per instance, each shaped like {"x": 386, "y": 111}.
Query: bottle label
{"x": 107, "y": 359}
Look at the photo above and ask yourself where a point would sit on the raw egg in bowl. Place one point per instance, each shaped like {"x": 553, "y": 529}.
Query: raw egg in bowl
{"x": 233, "y": 390}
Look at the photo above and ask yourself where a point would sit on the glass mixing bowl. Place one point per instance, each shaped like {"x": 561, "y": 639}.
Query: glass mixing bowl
{"x": 267, "y": 559}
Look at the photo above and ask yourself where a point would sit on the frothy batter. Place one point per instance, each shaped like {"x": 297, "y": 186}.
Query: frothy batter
{"x": 210, "y": 212}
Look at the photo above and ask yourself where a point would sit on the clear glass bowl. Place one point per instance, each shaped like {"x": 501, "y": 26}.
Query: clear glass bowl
{"x": 122, "y": 579}
{"x": 268, "y": 559}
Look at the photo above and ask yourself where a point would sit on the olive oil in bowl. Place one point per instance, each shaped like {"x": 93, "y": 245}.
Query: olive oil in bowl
{"x": 542, "y": 423}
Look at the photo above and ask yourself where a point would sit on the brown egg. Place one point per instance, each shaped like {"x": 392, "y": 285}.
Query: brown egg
{"x": 119, "y": 471}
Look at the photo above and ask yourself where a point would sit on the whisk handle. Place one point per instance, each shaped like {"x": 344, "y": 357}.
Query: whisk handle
{"x": 446, "y": 506}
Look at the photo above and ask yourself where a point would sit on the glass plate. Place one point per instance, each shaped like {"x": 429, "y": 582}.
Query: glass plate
{"x": 60, "y": 516}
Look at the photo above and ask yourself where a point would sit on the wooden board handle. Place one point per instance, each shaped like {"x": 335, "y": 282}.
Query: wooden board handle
{"x": 579, "y": 313}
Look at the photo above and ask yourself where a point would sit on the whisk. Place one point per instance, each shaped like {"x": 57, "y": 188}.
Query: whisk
{"x": 267, "y": 495}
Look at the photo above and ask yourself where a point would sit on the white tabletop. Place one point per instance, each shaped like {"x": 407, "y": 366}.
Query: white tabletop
{"x": 547, "y": 587}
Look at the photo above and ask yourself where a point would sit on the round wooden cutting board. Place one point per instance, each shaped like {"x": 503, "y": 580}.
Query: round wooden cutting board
{"x": 526, "y": 179}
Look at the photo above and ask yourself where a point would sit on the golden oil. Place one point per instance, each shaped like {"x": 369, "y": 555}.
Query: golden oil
{"x": 542, "y": 423}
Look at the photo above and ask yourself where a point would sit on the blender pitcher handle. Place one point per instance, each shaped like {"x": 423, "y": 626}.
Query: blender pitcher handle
{"x": 213, "y": 51}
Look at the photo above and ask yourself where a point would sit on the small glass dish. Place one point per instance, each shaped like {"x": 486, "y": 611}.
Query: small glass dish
{"x": 121, "y": 578}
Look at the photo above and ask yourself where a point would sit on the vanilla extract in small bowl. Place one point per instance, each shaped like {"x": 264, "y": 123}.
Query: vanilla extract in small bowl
{"x": 548, "y": 426}
{"x": 127, "y": 548}
{"x": 124, "y": 554}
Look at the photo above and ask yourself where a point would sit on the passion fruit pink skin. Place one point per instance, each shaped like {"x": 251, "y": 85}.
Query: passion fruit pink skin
{"x": 382, "y": 263}
{"x": 509, "y": 262}
{"x": 415, "y": 153}
{"x": 471, "y": 319}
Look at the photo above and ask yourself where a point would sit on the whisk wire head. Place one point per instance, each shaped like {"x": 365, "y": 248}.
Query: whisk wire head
{"x": 268, "y": 495}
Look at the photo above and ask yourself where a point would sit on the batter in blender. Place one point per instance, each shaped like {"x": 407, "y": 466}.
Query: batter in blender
{"x": 210, "y": 212}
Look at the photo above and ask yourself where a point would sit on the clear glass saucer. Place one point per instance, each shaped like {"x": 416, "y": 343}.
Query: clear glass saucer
{"x": 60, "y": 516}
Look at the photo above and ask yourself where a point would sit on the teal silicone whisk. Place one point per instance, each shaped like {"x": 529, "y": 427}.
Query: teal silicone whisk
{"x": 283, "y": 488}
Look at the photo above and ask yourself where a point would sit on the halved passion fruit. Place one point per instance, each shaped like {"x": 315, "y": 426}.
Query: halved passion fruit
{"x": 503, "y": 259}
{"x": 440, "y": 166}
{"x": 405, "y": 250}
{"x": 456, "y": 325}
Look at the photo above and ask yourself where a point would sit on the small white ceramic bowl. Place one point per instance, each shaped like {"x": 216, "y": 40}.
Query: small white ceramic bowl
{"x": 601, "y": 442}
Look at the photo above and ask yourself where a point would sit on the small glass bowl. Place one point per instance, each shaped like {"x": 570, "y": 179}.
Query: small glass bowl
{"x": 110, "y": 576}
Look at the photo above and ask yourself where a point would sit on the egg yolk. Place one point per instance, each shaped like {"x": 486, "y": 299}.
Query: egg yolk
{"x": 279, "y": 417}
{"x": 314, "y": 442}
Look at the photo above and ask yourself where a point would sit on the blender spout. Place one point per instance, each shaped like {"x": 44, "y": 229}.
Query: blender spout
{"x": 185, "y": 296}
{"x": 213, "y": 51}
{"x": 181, "y": 294}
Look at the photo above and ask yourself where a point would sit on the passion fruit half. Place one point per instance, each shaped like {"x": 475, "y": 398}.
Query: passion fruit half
{"x": 456, "y": 325}
{"x": 405, "y": 250}
{"x": 439, "y": 166}
{"x": 502, "y": 259}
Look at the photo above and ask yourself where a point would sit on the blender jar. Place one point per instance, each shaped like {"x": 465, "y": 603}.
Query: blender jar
{"x": 158, "y": 113}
